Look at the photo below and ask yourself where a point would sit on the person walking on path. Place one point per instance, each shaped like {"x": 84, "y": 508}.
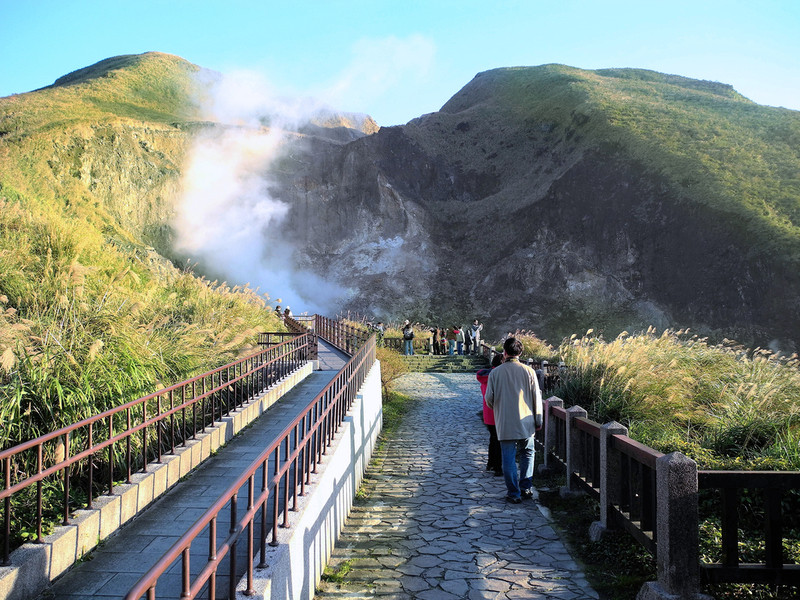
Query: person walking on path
{"x": 408, "y": 339}
{"x": 494, "y": 461}
{"x": 513, "y": 393}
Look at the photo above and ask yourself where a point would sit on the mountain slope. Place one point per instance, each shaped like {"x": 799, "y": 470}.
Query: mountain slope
{"x": 90, "y": 314}
{"x": 558, "y": 199}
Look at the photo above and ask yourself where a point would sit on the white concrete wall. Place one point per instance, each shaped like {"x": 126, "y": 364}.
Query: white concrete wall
{"x": 294, "y": 567}
{"x": 34, "y": 566}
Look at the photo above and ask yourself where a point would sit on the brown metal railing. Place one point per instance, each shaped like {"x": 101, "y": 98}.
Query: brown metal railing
{"x": 282, "y": 472}
{"x": 346, "y": 338}
{"x": 774, "y": 488}
{"x": 627, "y": 484}
{"x": 633, "y": 506}
{"x": 123, "y": 440}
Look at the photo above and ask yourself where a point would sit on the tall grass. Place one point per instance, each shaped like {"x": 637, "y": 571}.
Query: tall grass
{"x": 85, "y": 325}
{"x": 723, "y": 405}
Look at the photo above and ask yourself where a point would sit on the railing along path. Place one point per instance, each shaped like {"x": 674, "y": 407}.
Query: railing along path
{"x": 127, "y": 438}
{"x": 651, "y": 495}
{"x": 278, "y": 475}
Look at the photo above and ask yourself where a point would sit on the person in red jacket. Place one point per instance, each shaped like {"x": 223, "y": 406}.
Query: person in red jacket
{"x": 494, "y": 462}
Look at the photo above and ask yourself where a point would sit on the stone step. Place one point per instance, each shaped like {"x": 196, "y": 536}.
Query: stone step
{"x": 423, "y": 363}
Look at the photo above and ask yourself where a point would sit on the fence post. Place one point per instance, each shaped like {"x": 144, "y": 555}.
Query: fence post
{"x": 609, "y": 478}
{"x": 573, "y": 448}
{"x": 677, "y": 552}
{"x": 549, "y": 433}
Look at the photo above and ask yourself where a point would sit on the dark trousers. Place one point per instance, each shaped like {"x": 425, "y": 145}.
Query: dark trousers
{"x": 495, "y": 461}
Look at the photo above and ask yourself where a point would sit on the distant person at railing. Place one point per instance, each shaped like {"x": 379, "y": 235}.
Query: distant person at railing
{"x": 515, "y": 398}
{"x": 442, "y": 341}
{"x": 408, "y": 339}
{"x": 475, "y": 335}
{"x": 467, "y": 340}
{"x": 495, "y": 461}
{"x": 380, "y": 329}
{"x": 287, "y": 313}
{"x": 278, "y": 312}
{"x": 459, "y": 338}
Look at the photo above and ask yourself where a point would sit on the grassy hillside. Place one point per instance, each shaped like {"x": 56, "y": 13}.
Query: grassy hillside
{"x": 711, "y": 144}
{"x": 90, "y": 313}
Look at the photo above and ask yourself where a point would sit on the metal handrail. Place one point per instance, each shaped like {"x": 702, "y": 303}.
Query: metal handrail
{"x": 214, "y": 393}
{"x": 304, "y": 442}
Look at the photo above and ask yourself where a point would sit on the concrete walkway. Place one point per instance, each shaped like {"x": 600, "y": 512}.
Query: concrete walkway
{"x": 113, "y": 568}
{"x": 436, "y": 526}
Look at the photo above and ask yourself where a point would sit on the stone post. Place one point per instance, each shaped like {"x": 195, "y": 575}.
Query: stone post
{"x": 549, "y": 433}
{"x": 677, "y": 552}
{"x": 609, "y": 478}
{"x": 573, "y": 448}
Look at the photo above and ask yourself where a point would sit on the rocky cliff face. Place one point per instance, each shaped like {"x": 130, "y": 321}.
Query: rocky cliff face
{"x": 543, "y": 198}
{"x": 527, "y": 223}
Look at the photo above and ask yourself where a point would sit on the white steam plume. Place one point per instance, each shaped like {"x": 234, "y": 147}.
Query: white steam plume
{"x": 227, "y": 219}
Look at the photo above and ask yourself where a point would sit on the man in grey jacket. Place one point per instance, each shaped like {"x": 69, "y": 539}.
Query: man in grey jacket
{"x": 513, "y": 394}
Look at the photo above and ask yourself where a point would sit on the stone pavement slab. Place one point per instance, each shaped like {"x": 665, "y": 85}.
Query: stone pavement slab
{"x": 118, "y": 563}
{"x": 436, "y": 526}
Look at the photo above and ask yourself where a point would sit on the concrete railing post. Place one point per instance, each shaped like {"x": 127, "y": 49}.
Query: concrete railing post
{"x": 609, "y": 478}
{"x": 677, "y": 552}
{"x": 550, "y": 425}
{"x": 573, "y": 447}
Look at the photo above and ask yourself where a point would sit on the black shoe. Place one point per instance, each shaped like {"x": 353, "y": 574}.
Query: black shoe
{"x": 527, "y": 494}
{"x": 513, "y": 500}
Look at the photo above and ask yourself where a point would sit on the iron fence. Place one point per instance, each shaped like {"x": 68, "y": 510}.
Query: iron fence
{"x": 85, "y": 459}
{"x": 282, "y": 471}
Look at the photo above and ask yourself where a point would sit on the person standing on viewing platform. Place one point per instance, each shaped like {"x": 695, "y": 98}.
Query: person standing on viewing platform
{"x": 408, "y": 339}
{"x": 459, "y": 338}
{"x": 379, "y": 331}
{"x": 513, "y": 394}
{"x": 475, "y": 335}
{"x": 451, "y": 340}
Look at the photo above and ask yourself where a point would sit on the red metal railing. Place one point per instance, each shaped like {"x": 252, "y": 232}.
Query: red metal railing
{"x": 125, "y": 439}
{"x": 283, "y": 470}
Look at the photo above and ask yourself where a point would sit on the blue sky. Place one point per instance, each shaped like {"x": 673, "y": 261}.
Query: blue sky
{"x": 397, "y": 60}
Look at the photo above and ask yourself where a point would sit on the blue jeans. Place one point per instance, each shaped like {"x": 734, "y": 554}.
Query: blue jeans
{"x": 408, "y": 347}
{"x": 452, "y": 346}
{"x": 510, "y": 449}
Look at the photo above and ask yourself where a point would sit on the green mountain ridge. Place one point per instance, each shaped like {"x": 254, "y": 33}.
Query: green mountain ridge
{"x": 626, "y": 197}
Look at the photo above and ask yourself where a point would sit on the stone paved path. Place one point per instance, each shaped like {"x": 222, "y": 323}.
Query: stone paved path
{"x": 435, "y": 525}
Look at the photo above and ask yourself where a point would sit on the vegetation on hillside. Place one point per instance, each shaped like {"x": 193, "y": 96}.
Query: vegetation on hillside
{"x": 85, "y": 324}
{"x": 722, "y": 405}
{"x": 90, "y": 314}
{"x": 712, "y": 145}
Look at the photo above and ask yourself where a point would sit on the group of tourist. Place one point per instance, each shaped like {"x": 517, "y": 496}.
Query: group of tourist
{"x": 512, "y": 412}
{"x": 457, "y": 339}
{"x": 454, "y": 340}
